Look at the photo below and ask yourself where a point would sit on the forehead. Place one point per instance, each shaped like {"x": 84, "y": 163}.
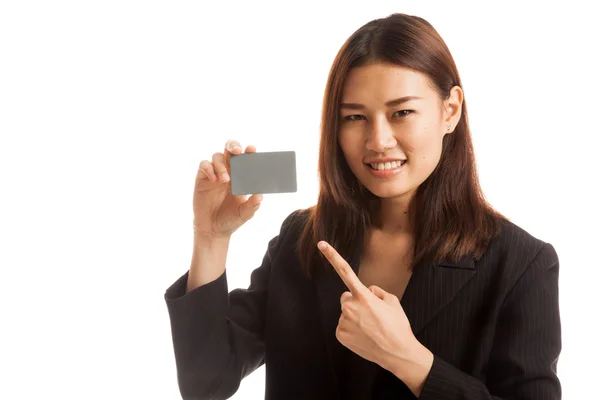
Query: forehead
{"x": 383, "y": 81}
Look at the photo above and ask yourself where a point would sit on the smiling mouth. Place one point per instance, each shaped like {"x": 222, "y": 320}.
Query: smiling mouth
{"x": 387, "y": 165}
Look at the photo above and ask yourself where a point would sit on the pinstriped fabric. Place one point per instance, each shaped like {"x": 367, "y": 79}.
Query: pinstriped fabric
{"x": 493, "y": 326}
{"x": 518, "y": 345}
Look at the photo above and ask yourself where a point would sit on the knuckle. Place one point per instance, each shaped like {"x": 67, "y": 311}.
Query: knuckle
{"x": 240, "y": 216}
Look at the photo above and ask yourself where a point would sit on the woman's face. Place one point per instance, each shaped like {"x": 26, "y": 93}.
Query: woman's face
{"x": 377, "y": 133}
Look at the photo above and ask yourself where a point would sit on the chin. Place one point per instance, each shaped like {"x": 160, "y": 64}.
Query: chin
{"x": 388, "y": 187}
{"x": 390, "y": 194}
{"x": 387, "y": 190}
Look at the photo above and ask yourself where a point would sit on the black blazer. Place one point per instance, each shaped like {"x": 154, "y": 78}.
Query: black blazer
{"x": 492, "y": 325}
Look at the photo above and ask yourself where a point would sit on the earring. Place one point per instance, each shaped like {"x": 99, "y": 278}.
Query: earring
{"x": 448, "y": 127}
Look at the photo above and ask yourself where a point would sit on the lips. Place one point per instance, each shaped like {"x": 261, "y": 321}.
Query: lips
{"x": 386, "y": 173}
{"x": 386, "y": 165}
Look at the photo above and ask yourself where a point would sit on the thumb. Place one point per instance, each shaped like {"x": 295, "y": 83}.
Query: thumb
{"x": 250, "y": 206}
{"x": 379, "y": 292}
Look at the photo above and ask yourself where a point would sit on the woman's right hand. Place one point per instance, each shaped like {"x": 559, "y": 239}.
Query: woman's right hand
{"x": 217, "y": 213}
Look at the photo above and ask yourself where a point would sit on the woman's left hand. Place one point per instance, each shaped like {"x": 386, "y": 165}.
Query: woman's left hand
{"x": 373, "y": 323}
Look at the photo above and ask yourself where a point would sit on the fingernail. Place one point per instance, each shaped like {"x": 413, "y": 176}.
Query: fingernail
{"x": 225, "y": 176}
{"x": 322, "y": 245}
{"x": 259, "y": 197}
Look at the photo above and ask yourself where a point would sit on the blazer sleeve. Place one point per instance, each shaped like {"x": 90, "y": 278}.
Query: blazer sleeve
{"x": 526, "y": 346}
{"x": 218, "y": 337}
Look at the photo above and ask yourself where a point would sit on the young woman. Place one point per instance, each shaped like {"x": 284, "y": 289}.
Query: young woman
{"x": 420, "y": 290}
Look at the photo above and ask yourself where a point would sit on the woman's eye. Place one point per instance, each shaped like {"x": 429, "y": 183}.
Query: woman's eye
{"x": 356, "y": 117}
{"x": 353, "y": 117}
{"x": 407, "y": 112}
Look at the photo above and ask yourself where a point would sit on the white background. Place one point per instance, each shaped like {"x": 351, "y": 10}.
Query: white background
{"x": 108, "y": 107}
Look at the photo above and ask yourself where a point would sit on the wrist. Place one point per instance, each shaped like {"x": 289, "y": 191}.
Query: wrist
{"x": 206, "y": 241}
{"x": 413, "y": 369}
{"x": 208, "y": 262}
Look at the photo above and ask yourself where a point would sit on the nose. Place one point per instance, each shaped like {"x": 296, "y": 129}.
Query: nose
{"x": 380, "y": 137}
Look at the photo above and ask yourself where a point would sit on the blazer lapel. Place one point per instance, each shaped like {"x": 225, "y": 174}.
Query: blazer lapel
{"x": 430, "y": 288}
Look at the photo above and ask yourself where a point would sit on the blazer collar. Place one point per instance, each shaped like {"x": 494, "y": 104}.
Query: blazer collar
{"x": 430, "y": 288}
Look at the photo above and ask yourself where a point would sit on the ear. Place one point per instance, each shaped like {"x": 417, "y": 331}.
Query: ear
{"x": 453, "y": 109}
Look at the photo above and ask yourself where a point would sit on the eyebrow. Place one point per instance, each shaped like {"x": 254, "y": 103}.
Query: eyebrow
{"x": 391, "y": 103}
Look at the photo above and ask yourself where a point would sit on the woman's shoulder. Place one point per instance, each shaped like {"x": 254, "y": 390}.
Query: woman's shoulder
{"x": 515, "y": 237}
{"x": 290, "y": 229}
{"x": 295, "y": 222}
{"x": 515, "y": 249}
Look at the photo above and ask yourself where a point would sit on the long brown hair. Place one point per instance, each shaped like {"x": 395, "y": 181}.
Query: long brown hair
{"x": 450, "y": 215}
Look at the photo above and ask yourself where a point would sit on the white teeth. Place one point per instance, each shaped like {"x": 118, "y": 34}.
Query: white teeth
{"x": 387, "y": 165}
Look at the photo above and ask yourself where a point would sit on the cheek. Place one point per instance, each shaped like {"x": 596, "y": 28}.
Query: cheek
{"x": 350, "y": 147}
{"x": 425, "y": 147}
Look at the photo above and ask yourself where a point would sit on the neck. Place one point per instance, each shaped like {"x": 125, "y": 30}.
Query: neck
{"x": 392, "y": 216}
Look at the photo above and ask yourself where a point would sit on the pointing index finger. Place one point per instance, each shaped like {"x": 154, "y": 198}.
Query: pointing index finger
{"x": 343, "y": 269}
